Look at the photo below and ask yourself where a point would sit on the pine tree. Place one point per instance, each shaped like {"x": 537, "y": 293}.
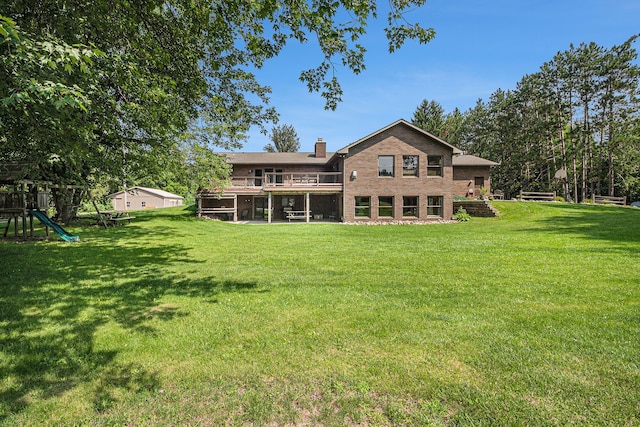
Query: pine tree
{"x": 430, "y": 116}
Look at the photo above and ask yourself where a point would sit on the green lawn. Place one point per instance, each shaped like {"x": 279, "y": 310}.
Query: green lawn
{"x": 532, "y": 318}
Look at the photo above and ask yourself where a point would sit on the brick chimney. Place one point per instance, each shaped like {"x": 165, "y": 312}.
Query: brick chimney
{"x": 321, "y": 148}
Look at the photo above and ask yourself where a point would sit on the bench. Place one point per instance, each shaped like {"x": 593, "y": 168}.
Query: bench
{"x": 296, "y": 215}
{"x": 114, "y": 221}
{"x": 537, "y": 195}
{"x": 610, "y": 199}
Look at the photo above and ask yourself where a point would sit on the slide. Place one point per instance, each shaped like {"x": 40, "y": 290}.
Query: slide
{"x": 64, "y": 234}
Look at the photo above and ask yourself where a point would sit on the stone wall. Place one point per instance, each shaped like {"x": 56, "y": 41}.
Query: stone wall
{"x": 480, "y": 208}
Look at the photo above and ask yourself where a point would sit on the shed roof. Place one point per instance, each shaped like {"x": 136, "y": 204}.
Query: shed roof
{"x": 155, "y": 191}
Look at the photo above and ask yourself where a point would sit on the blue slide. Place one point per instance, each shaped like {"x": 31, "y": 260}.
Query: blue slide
{"x": 64, "y": 234}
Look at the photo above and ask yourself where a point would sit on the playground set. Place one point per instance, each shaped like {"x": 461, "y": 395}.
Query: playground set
{"x": 22, "y": 200}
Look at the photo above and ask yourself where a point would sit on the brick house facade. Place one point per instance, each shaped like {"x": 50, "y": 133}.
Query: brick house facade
{"x": 398, "y": 173}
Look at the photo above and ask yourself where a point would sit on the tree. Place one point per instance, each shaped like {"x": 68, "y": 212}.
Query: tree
{"x": 171, "y": 64}
{"x": 572, "y": 127}
{"x": 452, "y": 128}
{"x": 430, "y": 116}
{"x": 284, "y": 139}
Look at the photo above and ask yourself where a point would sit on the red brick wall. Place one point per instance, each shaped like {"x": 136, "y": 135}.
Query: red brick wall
{"x": 397, "y": 141}
{"x": 464, "y": 179}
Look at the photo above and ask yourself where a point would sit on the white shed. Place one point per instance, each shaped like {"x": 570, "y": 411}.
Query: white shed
{"x": 144, "y": 198}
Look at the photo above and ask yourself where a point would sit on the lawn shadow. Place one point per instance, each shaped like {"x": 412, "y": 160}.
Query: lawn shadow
{"x": 614, "y": 224}
{"x": 54, "y": 297}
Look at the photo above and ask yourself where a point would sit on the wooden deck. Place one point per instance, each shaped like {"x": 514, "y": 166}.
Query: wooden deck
{"x": 287, "y": 182}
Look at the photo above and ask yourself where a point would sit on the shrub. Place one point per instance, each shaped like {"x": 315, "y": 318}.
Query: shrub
{"x": 462, "y": 215}
{"x": 103, "y": 205}
{"x": 560, "y": 199}
{"x": 587, "y": 201}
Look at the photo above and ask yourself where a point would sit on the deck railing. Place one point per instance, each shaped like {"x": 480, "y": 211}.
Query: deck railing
{"x": 272, "y": 180}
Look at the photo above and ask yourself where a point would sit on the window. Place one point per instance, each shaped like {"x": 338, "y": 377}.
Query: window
{"x": 385, "y": 165}
{"x": 144, "y": 204}
{"x": 434, "y": 165}
{"x": 410, "y": 206}
{"x": 258, "y": 179}
{"x": 434, "y": 206}
{"x": 385, "y": 206}
{"x": 128, "y": 204}
{"x": 362, "y": 207}
{"x": 409, "y": 165}
{"x": 478, "y": 181}
{"x": 273, "y": 177}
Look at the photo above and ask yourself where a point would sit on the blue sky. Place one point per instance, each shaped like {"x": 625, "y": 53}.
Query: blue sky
{"x": 480, "y": 46}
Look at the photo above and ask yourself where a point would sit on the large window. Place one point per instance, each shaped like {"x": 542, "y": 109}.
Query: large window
{"x": 434, "y": 165}
{"x": 363, "y": 204}
{"x": 409, "y": 165}
{"x": 410, "y": 206}
{"x": 385, "y": 165}
{"x": 385, "y": 206}
{"x": 434, "y": 206}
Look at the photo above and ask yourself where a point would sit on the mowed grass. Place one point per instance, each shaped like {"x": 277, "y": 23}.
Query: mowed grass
{"x": 532, "y": 318}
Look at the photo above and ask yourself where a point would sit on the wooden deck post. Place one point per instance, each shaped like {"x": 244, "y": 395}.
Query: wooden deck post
{"x": 269, "y": 208}
{"x": 235, "y": 208}
{"x": 306, "y": 206}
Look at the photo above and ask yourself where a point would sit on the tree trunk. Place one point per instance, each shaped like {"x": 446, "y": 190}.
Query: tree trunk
{"x": 592, "y": 169}
{"x": 583, "y": 185}
{"x": 611, "y": 174}
{"x": 67, "y": 200}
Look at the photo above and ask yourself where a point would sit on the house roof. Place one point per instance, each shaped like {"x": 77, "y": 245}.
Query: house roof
{"x": 155, "y": 191}
{"x": 264, "y": 158}
{"x": 346, "y": 149}
{"x": 276, "y": 158}
{"x": 469, "y": 160}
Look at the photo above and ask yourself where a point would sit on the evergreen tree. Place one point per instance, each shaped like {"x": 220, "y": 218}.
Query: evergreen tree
{"x": 452, "y": 128}
{"x": 572, "y": 127}
{"x": 430, "y": 116}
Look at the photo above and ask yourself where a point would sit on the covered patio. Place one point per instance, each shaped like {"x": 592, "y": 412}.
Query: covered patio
{"x": 272, "y": 206}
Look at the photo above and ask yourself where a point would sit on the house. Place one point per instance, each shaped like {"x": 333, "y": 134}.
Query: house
{"x": 398, "y": 173}
{"x": 137, "y": 198}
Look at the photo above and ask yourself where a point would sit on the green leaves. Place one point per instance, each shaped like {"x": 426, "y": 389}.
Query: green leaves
{"x": 399, "y": 34}
{"x": 90, "y": 80}
{"x": 8, "y": 30}
{"x": 578, "y": 114}
{"x": 429, "y": 116}
{"x": 284, "y": 139}
{"x": 39, "y": 71}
